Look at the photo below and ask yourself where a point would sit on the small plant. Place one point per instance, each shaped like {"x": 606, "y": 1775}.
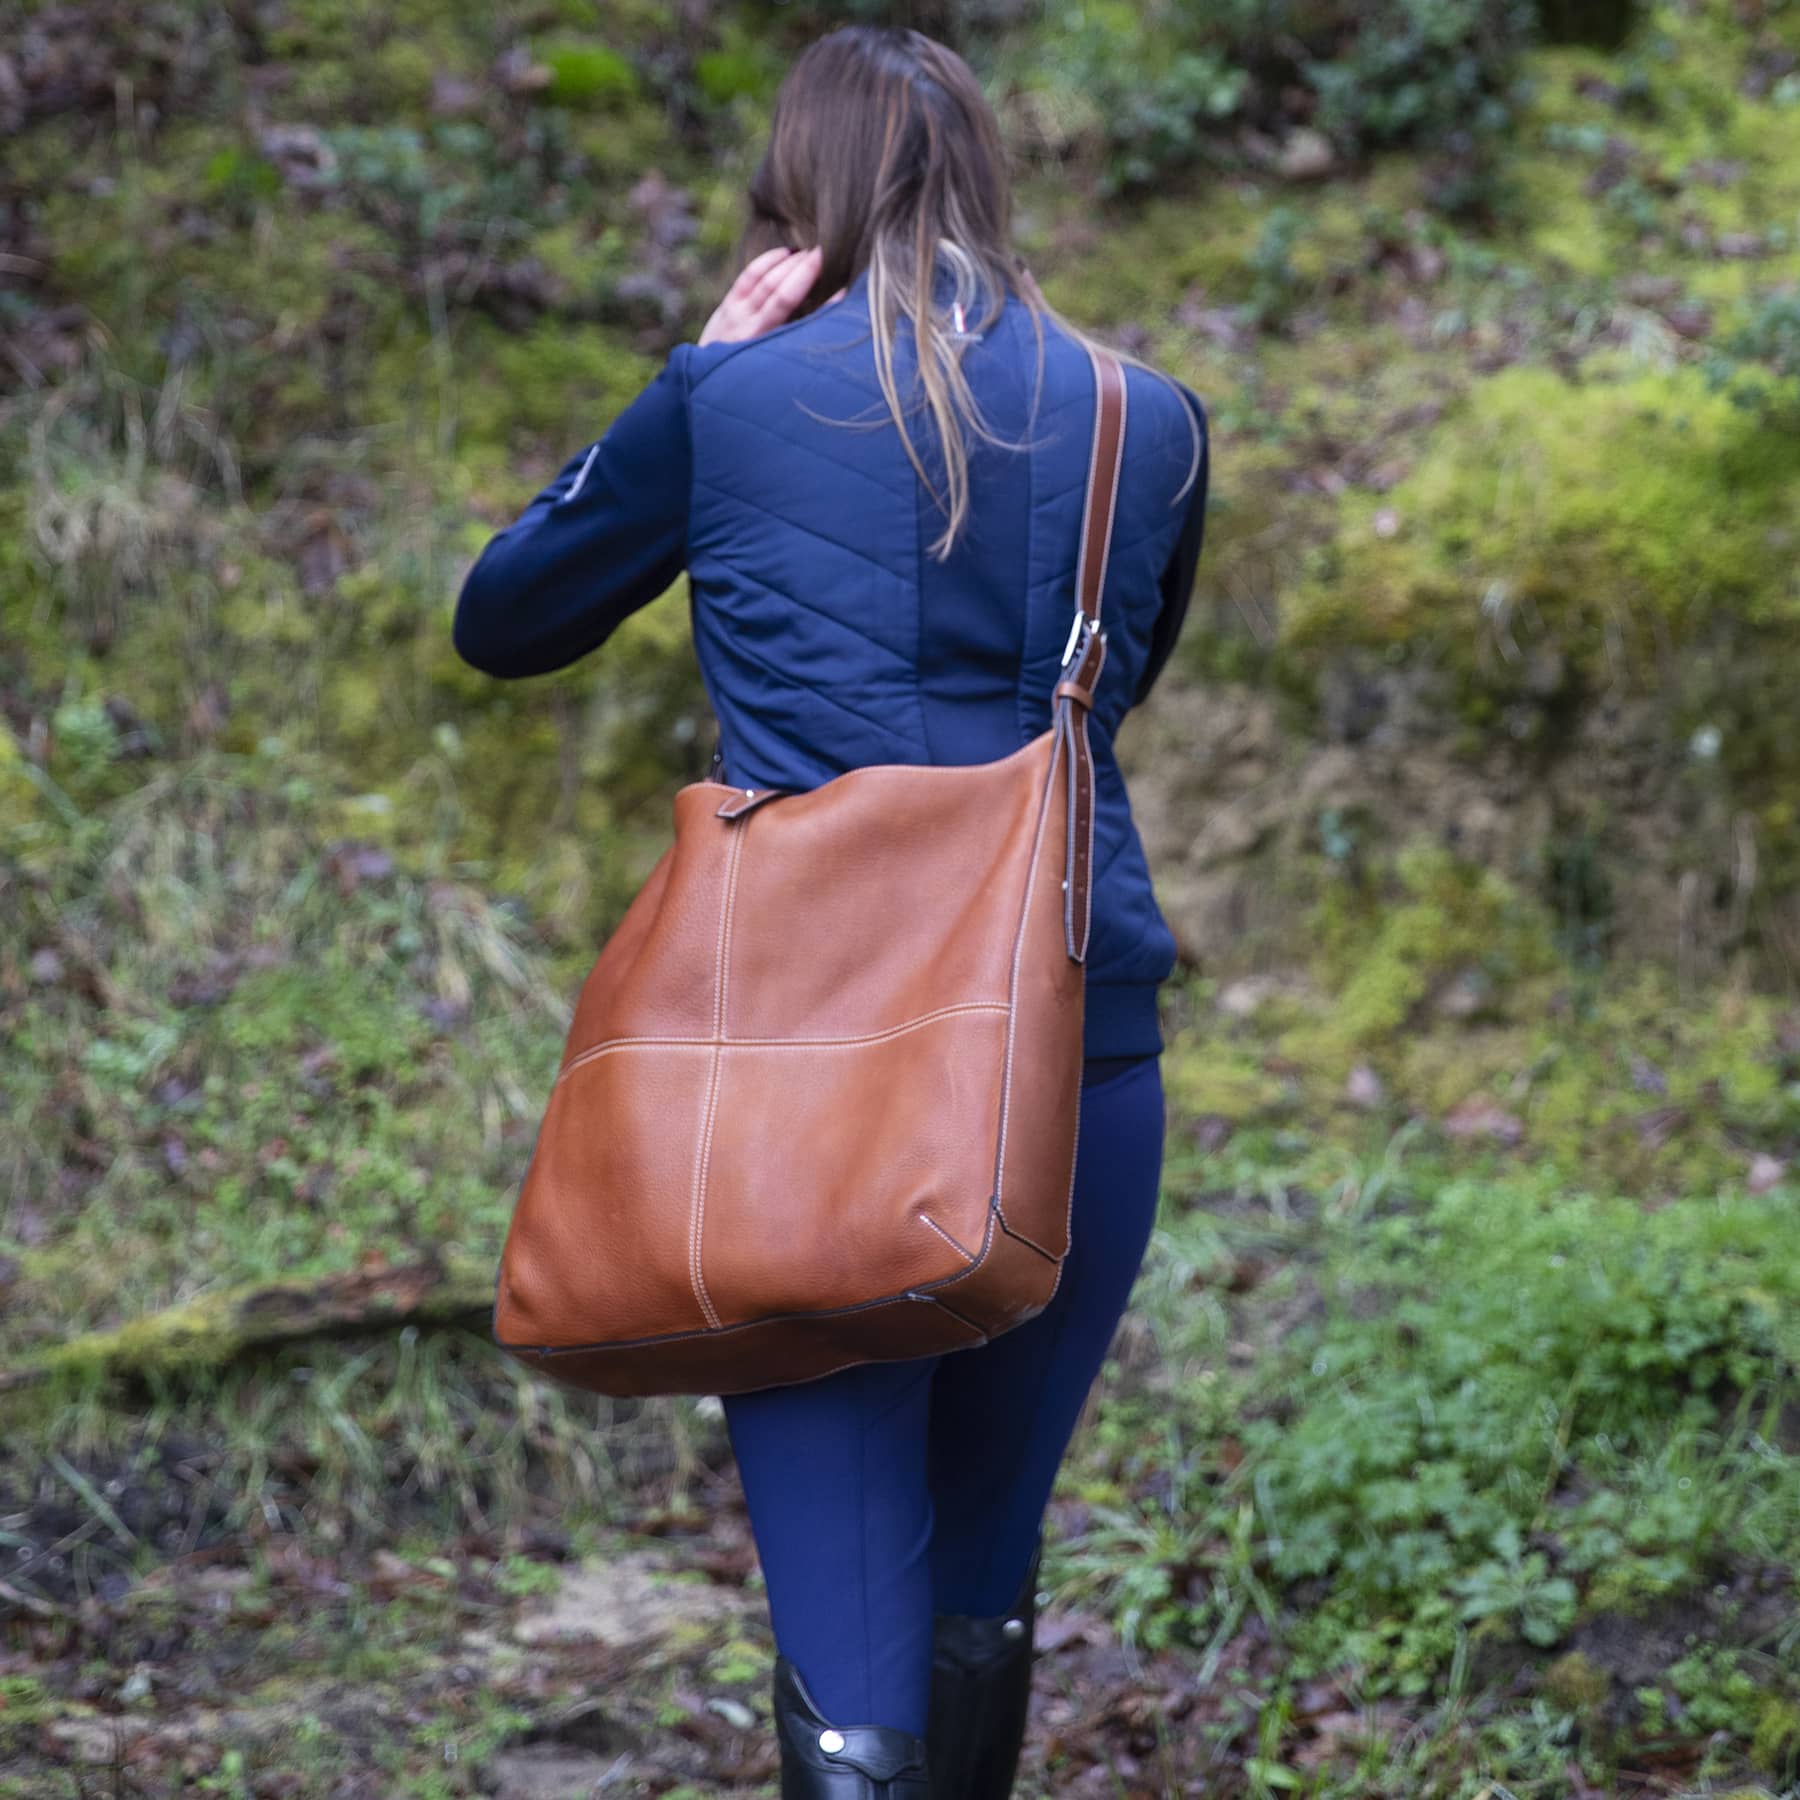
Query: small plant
{"x": 1275, "y": 283}
{"x": 1520, "y": 1590}
{"x": 87, "y": 740}
{"x": 1758, "y": 364}
{"x": 520, "y": 1577}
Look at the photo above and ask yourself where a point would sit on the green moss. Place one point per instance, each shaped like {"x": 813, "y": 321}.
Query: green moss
{"x": 26, "y": 1704}
{"x": 587, "y": 256}
{"x": 351, "y": 61}
{"x": 277, "y": 1014}
{"x": 21, "y": 792}
{"x": 1590, "y": 520}
{"x": 1153, "y": 254}
{"x": 558, "y": 384}
{"x": 1574, "y": 1684}
{"x": 1382, "y": 955}
{"x": 1775, "y": 1743}
{"x": 1205, "y": 1075}
{"x": 208, "y": 1332}
{"x": 403, "y": 71}
{"x": 1439, "y": 1070}
{"x": 743, "y": 66}
{"x": 586, "y": 75}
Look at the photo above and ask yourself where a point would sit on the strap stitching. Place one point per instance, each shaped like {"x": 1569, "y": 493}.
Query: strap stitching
{"x": 967, "y": 1255}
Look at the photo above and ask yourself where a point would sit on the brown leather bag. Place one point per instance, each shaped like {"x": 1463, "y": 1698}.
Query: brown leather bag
{"x": 818, "y": 1103}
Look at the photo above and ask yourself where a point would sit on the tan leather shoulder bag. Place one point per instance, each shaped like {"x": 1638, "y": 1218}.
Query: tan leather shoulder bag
{"x": 818, "y": 1103}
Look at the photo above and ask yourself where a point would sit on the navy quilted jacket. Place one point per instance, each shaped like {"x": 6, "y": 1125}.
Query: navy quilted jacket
{"x": 828, "y": 636}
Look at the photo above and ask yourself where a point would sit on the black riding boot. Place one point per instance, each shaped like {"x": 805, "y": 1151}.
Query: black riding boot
{"x": 821, "y": 1761}
{"x": 980, "y": 1693}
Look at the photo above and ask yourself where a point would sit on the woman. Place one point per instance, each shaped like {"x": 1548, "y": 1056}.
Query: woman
{"x": 871, "y": 467}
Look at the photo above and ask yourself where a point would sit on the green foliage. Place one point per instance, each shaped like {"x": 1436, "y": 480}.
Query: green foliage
{"x": 1605, "y": 24}
{"x": 1147, "y": 90}
{"x": 1117, "y": 77}
{"x": 1510, "y": 1401}
{"x": 87, "y": 742}
{"x": 242, "y": 179}
{"x": 1439, "y": 73}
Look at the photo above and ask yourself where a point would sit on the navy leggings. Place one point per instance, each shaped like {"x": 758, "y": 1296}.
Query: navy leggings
{"x": 891, "y": 1491}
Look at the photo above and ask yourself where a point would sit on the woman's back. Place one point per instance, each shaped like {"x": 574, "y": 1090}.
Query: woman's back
{"x": 829, "y": 636}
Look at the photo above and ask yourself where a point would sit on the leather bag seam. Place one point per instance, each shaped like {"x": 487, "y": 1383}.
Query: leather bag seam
{"x": 921, "y": 1292}
{"x": 697, "y": 1207}
{"x": 935, "y": 770}
{"x": 1018, "y": 1237}
{"x": 918, "y": 1291}
{"x": 697, "y": 1210}
{"x": 612, "y": 1045}
{"x": 1012, "y": 1010}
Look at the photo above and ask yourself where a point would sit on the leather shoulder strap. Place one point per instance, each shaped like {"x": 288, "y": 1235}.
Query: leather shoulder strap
{"x": 1085, "y": 652}
{"x": 1103, "y": 481}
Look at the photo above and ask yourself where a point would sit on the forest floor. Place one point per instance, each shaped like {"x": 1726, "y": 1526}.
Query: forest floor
{"x": 1341, "y": 1522}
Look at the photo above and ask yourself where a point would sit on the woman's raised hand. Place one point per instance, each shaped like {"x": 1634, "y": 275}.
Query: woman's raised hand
{"x": 764, "y": 295}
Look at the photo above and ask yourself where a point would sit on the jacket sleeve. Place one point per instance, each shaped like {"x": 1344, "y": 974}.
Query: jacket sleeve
{"x": 606, "y": 537}
{"x": 1184, "y": 559}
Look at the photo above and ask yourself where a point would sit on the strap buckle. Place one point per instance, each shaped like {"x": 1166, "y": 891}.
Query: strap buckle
{"x": 1076, "y": 641}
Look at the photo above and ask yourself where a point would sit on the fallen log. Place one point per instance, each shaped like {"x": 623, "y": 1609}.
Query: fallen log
{"x": 217, "y": 1329}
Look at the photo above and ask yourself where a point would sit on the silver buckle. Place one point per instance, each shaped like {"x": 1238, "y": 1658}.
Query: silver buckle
{"x": 1080, "y": 620}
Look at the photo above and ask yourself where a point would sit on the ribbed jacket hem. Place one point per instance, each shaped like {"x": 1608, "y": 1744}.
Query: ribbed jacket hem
{"x": 1122, "y": 1020}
